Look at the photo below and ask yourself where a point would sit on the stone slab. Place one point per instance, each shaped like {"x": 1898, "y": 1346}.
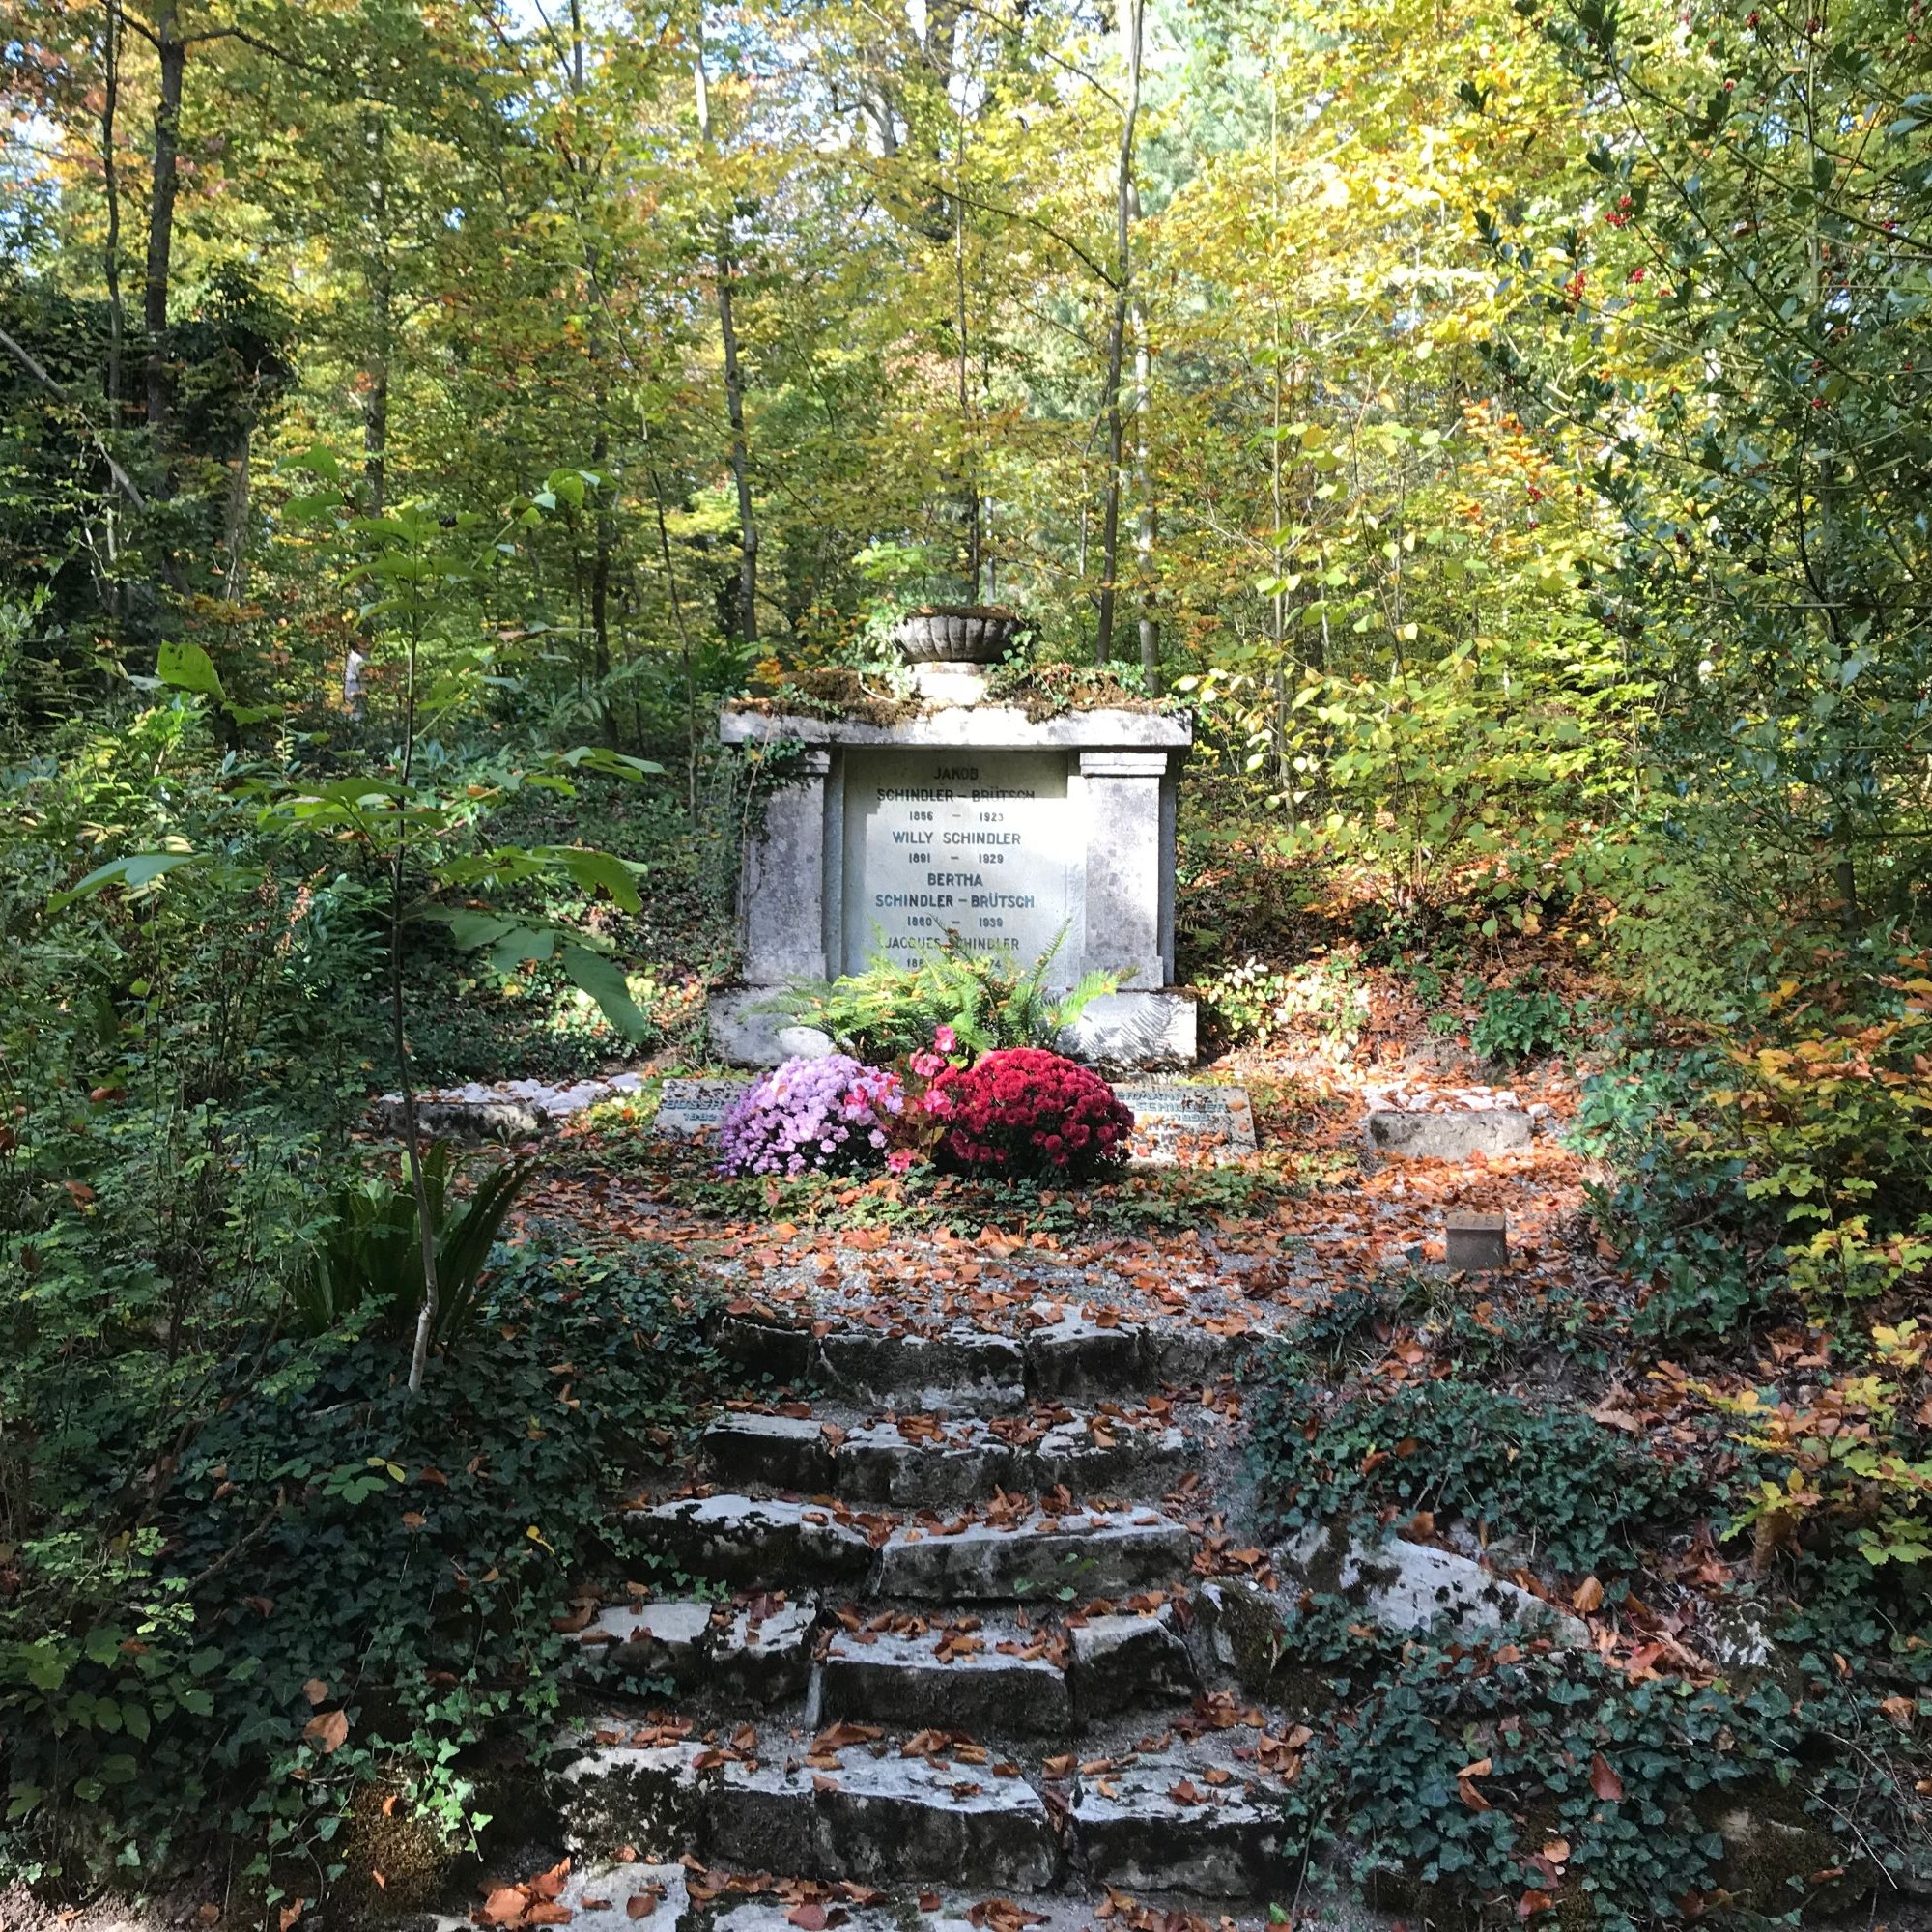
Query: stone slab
{"x": 1459, "y": 1133}
{"x": 1142, "y": 1027}
{"x": 1074, "y": 1355}
{"x": 1123, "y": 1662}
{"x": 879, "y": 1462}
{"x": 763, "y": 1656}
{"x": 1121, "y": 1461}
{"x": 904, "y": 1681}
{"x": 1415, "y": 1586}
{"x": 598, "y": 1898}
{"x": 980, "y": 726}
{"x": 1131, "y": 1831}
{"x": 764, "y": 1351}
{"x": 647, "y": 1797}
{"x": 883, "y": 1819}
{"x": 1087, "y": 1554}
{"x": 1176, "y": 1119}
{"x": 722, "y": 1650}
{"x": 883, "y": 1364}
{"x": 743, "y": 1539}
{"x": 891, "y": 1817}
{"x": 664, "y": 1639}
{"x": 783, "y": 1451}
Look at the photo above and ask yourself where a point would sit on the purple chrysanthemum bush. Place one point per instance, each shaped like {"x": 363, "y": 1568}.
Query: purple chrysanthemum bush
{"x": 810, "y": 1117}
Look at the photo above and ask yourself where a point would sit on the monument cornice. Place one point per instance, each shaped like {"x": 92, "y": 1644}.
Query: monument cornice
{"x": 964, "y": 727}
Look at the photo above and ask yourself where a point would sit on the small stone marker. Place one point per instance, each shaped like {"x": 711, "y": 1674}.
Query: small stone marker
{"x": 1173, "y": 1117}
{"x": 1476, "y": 1242}
{"x": 687, "y": 1108}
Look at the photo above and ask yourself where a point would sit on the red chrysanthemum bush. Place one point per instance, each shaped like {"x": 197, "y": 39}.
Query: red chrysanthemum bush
{"x": 1021, "y": 1111}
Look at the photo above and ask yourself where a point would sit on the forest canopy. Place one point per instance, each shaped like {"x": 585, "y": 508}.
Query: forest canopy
{"x": 1506, "y": 425}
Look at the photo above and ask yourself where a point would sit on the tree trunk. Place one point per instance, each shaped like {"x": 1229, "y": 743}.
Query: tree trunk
{"x": 600, "y": 564}
{"x": 1144, "y": 517}
{"x": 173, "y": 51}
{"x": 1116, "y": 331}
{"x": 734, "y": 394}
{"x": 375, "y": 362}
{"x": 110, "y": 178}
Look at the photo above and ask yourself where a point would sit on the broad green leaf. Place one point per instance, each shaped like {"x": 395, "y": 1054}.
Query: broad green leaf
{"x": 135, "y": 870}
{"x": 188, "y": 667}
{"x": 604, "y": 982}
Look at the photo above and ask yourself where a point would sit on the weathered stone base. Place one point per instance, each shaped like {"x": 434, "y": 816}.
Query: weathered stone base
{"x": 1134, "y": 1028}
{"x": 741, "y": 1036}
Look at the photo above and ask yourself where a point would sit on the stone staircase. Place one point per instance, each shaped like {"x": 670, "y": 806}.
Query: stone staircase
{"x": 941, "y": 1612}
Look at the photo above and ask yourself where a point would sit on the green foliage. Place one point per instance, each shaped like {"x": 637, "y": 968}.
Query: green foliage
{"x": 1675, "y": 1204}
{"x": 177, "y": 1646}
{"x": 1327, "y": 997}
{"x": 894, "y": 1008}
{"x": 1525, "y": 1020}
{"x": 1507, "y": 1780}
{"x": 367, "y": 1270}
{"x": 1338, "y": 1437}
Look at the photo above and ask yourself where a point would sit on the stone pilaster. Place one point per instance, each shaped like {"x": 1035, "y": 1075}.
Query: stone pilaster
{"x": 781, "y": 889}
{"x": 1129, "y": 919}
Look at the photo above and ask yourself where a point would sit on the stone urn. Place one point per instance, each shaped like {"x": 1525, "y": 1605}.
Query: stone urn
{"x": 956, "y": 634}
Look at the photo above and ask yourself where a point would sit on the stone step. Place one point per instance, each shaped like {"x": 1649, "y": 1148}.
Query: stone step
{"x": 1001, "y": 1681}
{"x": 966, "y": 1370}
{"x": 1002, "y": 1678}
{"x": 752, "y": 1541}
{"x": 918, "y": 1461}
{"x": 855, "y": 1803}
{"x": 1042, "y": 1558}
{"x": 1163, "y": 1822}
{"x": 885, "y": 1818}
{"x": 756, "y": 1652}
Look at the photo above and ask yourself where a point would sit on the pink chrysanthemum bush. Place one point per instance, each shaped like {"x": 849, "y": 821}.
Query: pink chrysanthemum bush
{"x": 810, "y": 1117}
{"x": 1028, "y": 1113}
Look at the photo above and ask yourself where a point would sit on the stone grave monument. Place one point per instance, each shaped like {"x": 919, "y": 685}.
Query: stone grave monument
{"x": 966, "y": 817}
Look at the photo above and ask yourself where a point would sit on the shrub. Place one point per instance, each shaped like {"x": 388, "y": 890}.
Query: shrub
{"x": 894, "y": 1009}
{"x": 1521, "y": 1021}
{"x": 1550, "y": 1476}
{"x": 370, "y": 1263}
{"x": 809, "y": 1117}
{"x": 1675, "y": 1204}
{"x": 1026, "y": 1113}
{"x": 1337, "y": 1438}
{"x": 1326, "y": 996}
{"x": 1508, "y": 1783}
{"x": 335, "y": 1582}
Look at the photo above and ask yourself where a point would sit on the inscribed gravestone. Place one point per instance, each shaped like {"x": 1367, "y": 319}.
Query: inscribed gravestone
{"x": 981, "y": 844}
{"x": 1171, "y": 1118}
{"x": 690, "y": 1107}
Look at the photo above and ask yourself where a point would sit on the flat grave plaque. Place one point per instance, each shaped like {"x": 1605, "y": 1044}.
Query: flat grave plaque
{"x": 1176, "y": 1119}
{"x": 687, "y": 1108}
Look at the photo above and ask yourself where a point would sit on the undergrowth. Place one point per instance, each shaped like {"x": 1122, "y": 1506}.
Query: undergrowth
{"x": 323, "y": 1582}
